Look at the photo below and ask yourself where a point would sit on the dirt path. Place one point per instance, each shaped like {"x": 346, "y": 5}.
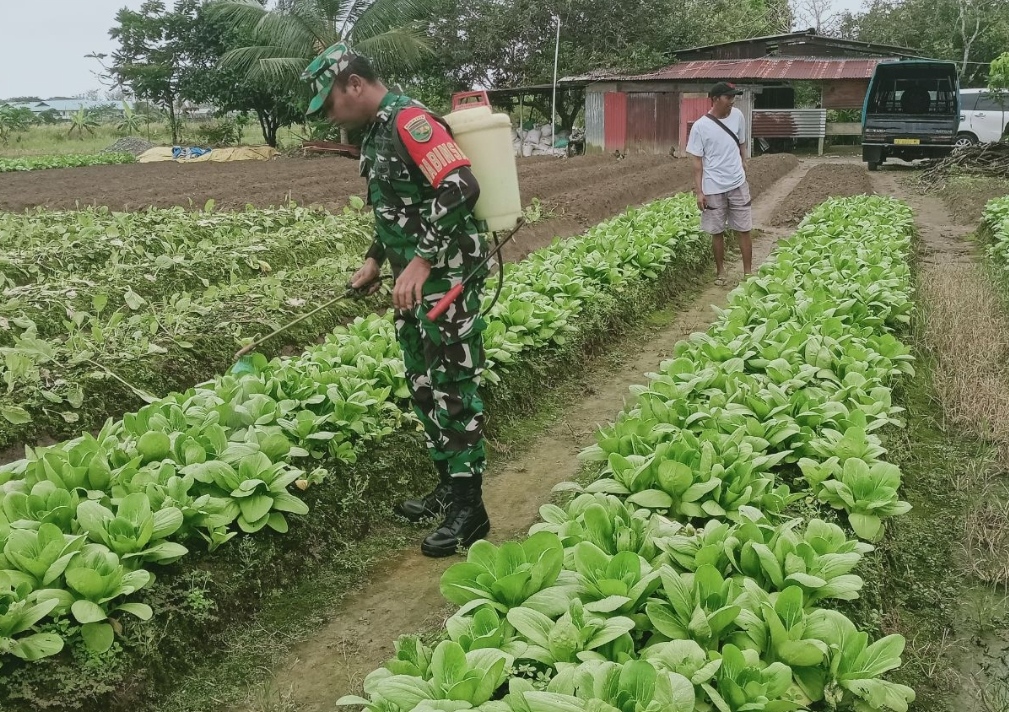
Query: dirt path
{"x": 823, "y": 181}
{"x": 942, "y": 238}
{"x": 405, "y": 597}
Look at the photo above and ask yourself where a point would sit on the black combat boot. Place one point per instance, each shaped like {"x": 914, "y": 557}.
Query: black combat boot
{"x": 432, "y": 504}
{"x": 465, "y": 522}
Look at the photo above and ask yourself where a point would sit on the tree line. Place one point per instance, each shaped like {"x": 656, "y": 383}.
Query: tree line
{"x": 246, "y": 55}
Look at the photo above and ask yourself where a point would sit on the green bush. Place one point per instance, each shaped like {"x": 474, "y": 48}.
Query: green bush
{"x": 224, "y": 132}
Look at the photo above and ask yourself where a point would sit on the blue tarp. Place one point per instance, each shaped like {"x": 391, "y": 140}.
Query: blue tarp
{"x": 188, "y": 152}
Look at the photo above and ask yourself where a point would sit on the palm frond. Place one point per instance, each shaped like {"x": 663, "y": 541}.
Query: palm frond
{"x": 252, "y": 60}
{"x": 396, "y": 50}
{"x": 333, "y": 10}
{"x": 351, "y": 13}
{"x": 300, "y": 32}
{"x": 281, "y": 70}
{"x": 387, "y": 31}
{"x": 374, "y": 17}
{"x": 243, "y": 15}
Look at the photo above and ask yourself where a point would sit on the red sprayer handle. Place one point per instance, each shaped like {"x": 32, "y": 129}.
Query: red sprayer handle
{"x": 445, "y": 302}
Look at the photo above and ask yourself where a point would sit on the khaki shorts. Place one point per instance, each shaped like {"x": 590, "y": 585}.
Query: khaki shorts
{"x": 728, "y": 210}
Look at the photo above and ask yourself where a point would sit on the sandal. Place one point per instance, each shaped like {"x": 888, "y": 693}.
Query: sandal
{"x": 720, "y": 281}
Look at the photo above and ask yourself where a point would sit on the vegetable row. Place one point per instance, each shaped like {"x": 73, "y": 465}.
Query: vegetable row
{"x": 37, "y": 163}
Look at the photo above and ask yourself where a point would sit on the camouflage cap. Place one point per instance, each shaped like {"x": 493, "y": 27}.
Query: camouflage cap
{"x": 323, "y": 70}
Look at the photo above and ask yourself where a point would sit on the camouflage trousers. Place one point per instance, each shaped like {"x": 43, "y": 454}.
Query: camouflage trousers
{"x": 444, "y": 361}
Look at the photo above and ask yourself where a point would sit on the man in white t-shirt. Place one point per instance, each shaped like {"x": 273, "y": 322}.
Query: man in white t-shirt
{"x": 717, "y": 147}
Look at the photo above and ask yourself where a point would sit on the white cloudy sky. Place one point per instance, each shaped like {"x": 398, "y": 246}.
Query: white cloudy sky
{"x": 43, "y": 43}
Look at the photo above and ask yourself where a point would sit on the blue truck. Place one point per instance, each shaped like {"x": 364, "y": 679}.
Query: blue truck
{"x": 911, "y": 111}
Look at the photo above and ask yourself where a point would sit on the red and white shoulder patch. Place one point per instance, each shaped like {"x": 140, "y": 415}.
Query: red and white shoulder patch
{"x": 429, "y": 144}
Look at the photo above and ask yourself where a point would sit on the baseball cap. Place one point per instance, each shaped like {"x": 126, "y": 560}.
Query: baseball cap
{"x": 724, "y": 89}
{"x": 323, "y": 71}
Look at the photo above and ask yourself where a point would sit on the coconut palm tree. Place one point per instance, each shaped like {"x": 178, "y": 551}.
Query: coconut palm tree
{"x": 289, "y": 36}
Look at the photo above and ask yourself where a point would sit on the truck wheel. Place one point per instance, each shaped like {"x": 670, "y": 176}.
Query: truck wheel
{"x": 873, "y": 165}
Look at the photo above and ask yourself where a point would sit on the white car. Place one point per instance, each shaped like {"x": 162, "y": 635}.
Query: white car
{"x": 983, "y": 117}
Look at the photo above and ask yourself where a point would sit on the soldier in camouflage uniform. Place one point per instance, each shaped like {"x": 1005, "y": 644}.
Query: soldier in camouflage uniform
{"x": 422, "y": 192}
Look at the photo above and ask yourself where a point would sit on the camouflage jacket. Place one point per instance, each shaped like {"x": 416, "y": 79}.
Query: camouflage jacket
{"x": 421, "y": 191}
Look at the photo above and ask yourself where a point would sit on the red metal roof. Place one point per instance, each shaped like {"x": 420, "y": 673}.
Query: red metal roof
{"x": 795, "y": 69}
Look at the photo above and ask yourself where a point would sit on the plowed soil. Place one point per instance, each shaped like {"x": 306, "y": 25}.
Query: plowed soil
{"x": 821, "y": 182}
{"x": 576, "y": 193}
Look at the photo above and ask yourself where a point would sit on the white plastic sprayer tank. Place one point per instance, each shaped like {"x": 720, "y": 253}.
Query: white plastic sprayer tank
{"x": 486, "y": 139}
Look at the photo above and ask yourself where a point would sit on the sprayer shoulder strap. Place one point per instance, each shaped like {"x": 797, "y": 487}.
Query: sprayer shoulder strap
{"x": 397, "y": 140}
{"x": 725, "y": 128}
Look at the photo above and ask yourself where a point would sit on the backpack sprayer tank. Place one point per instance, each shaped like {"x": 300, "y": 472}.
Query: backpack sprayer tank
{"x": 486, "y": 139}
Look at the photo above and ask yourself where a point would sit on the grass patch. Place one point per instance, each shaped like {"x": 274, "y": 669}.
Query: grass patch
{"x": 939, "y": 576}
{"x": 966, "y": 196}
{"x": 913, "y": 583}
{"x": 964, "y": 326}
{"x": 54, "y": 140}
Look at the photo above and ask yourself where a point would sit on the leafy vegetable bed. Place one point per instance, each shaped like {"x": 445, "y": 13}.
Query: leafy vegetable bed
{"x": 90, "y": 517}
{"x": 36, "y": 163}
{"x": 675, "y": 582}
{"x": 159, "y": 250}
{"x": 100, "y": 309}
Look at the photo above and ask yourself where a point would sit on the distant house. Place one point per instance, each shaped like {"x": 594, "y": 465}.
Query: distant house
{"x": 18, "y": 105}
{"x": 66, "y": 108}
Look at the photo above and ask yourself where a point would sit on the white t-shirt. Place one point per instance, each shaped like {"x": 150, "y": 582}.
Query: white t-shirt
{"x": 723, "y": 166}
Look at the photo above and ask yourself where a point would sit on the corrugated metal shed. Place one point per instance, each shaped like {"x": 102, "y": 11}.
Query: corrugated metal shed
{"x": 789, "y": 123}
{"x": 652, "y": 122}
{"x": 692, "y": 107}
{"x": 595, "y": 124}
{"x": 794, "y": 44}
{"x": 615, "y": 121}
{"x": 667, "y": 121}
{"x": 767, "y": 69}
